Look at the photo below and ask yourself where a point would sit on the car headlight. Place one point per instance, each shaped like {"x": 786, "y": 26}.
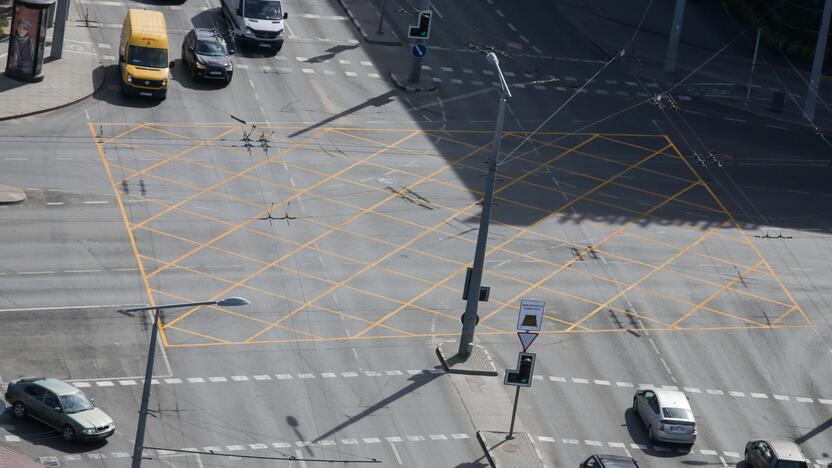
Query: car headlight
{"x": 88, "y": 430}
{"x": 229, "y": 67}
{"x": 164, "y": 82}
{"x": 199, "y": 65}
{"x": 249, "y": 31}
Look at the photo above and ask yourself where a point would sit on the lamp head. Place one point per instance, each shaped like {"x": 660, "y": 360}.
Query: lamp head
{"x": 492, "y": 58}
{"x": 233, "y": 301}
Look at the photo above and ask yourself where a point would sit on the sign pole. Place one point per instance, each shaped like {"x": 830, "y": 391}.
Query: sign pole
{"x": 513, "y": 413}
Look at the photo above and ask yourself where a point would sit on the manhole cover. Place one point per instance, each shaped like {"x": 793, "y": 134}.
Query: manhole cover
{"x": 510, "y": 447}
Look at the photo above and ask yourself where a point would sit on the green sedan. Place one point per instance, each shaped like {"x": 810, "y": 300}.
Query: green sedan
{"x": 60, "y": 405}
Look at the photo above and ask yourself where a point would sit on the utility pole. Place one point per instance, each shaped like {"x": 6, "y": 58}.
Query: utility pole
{"x": 469, "y": 319}
{"x": 138, "y": 447}
{"x": 675, "y": 34}
{"x": 61, "y": 15}
{"x": 820, "y": 51}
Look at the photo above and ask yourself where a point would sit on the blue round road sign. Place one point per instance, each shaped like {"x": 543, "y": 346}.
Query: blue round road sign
{"x": 419, "y": 50}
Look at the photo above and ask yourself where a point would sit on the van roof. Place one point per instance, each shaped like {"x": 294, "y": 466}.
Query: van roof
{"x": 147, "y": 22}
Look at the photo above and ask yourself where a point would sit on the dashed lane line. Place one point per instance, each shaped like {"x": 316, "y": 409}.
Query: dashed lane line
{"x": 735, "y": 394}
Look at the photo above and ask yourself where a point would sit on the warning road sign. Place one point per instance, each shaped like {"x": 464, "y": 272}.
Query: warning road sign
{"x": 531, "y": 315}
{"x": 526, "y": 339}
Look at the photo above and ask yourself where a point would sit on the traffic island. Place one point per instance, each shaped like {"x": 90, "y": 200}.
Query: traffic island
{"x": 9, "y": 195}
{"x": 516, "y": 452}
{"x": 478, "y": 363}
{"x": 424, "y": 85}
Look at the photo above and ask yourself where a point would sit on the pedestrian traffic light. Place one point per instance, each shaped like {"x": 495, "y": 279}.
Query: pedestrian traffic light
{"x": 522, "y": 376}
{"x": 422, "y": 31}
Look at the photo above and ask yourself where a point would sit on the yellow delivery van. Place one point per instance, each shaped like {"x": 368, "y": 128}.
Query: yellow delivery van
{"x": 143, "y": 54}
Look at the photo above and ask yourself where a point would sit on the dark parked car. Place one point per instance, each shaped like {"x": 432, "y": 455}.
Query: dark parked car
{"x": 60, "y": 405}
{"x": 609, "y": 461}
{"x": 774, "y": 454}
{"x": 206, "y": 55}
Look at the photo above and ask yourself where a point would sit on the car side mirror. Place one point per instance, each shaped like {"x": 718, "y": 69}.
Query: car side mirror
{"x": 285, "y": 15}
{"x": 57, "y": 409}
{"x": 239, "y": 11}
{"x": 171, "y": 64}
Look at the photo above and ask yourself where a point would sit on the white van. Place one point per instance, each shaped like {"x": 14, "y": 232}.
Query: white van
{"x": 256, "y": 21}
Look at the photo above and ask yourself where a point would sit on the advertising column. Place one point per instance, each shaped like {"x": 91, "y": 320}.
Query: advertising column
{"x": 27, "y": 39}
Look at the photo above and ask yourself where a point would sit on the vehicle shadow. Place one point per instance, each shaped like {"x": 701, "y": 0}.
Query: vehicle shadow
{"x": 110, "y": 90}
{"x": 638, "y": 434}
{"x": 37, "y": 433}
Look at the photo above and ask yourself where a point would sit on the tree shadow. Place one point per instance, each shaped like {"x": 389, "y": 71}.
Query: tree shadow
{"x": 638, "y": 434}
{"x": 416, "y": 382}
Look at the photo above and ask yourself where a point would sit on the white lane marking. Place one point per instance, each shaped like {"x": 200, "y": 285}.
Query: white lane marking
{"x": 239, "y": 378}
{"x": 545, "y": 439}
{"x": 581, "y": 381}
{"x": 438, "y": 437}
{"x": 105, "y": 383}
{"x": 735, "y": 120}
{"x": 593, "y": 443}
{"x": 262, "y": 377}
{"x": 96, "y": 202}
{"x": 372, "y": 440}
{"x": 524, "y": 39}
{"x": 499, "y": 13}
{"x": 328, "y": 375}
{"x": 692, "y": 390}
{"x": 35, "y": 272}
{"x": 284, "y": 376}
{"x": 81, "y": 271}
{"x": 396, "y": 453}
{"x": 602, "y": 382}
{"x": 436, "y": 10}
{"x": 511, "y": 26}
{"x": 617, "y": 444}
{"x": 708, "y": 452}
{"x": 349, "y": 73}
{"x": 715, "y": 392}
{"x": 624, "y": 384}
{"x": 307, "y": 70}
{"x": 570, "y": 441}
{"x": 557, "y": 379}
{"x": 196, "y": 380}
{"x": 781, "y": 397}
{"x": 759, "y": 395}
{"x": 366, "y": 63}
{"x": 82, "y": 384}
{"x": 127, "y": 382}
{"x": 803, "y": 399}
{"x": 217, "y": 379}
{"x": 102, "y": 45}
{"x": 736, "y": 394}
{"x": 460, "y": 436}
{"x": 731, "y": 454}
{"x": 173, "y": 381}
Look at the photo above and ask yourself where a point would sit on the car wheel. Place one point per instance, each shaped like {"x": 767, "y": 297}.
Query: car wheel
{"x": 650, "y": 434}
{"x": 747, "y": 464}
{"x": 19, "y": 409}
{"x": 635, "y": 404}
{"x": 69, "y": 433}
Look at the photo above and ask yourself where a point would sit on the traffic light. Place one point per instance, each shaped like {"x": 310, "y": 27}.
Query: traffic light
{"x": 422, "y": 31}
{"x": 522, "y": 376}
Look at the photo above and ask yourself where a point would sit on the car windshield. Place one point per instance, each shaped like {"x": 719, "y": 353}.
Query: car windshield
{"x": 263, "y": 9}
{"x": 677, "y": 413}
{"x": 147, "y": 57}
{"x": 791, "y": 464}
{"x": 76, "y": 402}
{"x": 213, "y": 48}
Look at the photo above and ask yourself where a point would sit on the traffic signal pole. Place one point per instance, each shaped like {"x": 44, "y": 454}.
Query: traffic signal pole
{"x": 416, "y": 67}
{"x": 513, "y": 413}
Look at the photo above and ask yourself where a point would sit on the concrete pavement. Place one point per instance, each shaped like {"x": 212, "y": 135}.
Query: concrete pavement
{"x": 70, "y": 79}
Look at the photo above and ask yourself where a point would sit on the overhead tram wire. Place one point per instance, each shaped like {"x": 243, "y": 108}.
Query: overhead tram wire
{"x": 648, "y": 100}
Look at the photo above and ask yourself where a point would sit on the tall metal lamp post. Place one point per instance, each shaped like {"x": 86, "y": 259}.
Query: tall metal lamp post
{"x": 148, "y": 375}
{"x": 469, "y": 319}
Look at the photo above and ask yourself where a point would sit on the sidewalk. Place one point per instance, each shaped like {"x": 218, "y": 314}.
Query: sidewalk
{"x": 707, "y": 29}
{"x": 12, "y": 459}
{"x": 66, "y": 81}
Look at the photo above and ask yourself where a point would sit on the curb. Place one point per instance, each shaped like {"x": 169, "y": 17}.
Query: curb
{"x": 61, "y": 106}
{"x": 361, "y": 30}
{"x": 415, "y": 88}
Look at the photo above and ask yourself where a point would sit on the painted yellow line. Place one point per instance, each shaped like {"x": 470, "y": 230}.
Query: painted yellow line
{"x": 310, "y": 242}
{"x": 650, "y": 274}
{"x": 715, "y": 294}
{"x": 783, "y": 315}
{"x": 745, "y": 236}
{"x": 230, "y": 231}
{"x": 389, "y": 254}
{"x": 201, "y": 335}
{"x": 457, "y": 213}
{"x": 253, "y": 288}
{"x": 585, "y": 250}
{"x": 124, "y": 218}
{"x": 119, "y": 136}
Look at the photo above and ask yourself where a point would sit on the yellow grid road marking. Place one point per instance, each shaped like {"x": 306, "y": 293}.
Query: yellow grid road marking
{"x": 715, "y": 294}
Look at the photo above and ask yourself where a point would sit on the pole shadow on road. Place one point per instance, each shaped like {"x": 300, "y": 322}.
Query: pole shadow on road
{"x": 378, "y": 101}
{"x": 638, "y": 434}
{"x": 416, "y": 382}
{"x": 331, "y": 53}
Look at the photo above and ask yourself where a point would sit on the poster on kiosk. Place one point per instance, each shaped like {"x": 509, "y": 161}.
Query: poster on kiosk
{"x": 27, "y": 39}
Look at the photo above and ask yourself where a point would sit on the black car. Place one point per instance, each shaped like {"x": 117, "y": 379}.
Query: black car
{"x": 205, "y": 54}
{"x": 609, "y": 461}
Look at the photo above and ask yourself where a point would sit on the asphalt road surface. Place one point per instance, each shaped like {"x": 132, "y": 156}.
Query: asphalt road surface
{"x": 347, "y": 212}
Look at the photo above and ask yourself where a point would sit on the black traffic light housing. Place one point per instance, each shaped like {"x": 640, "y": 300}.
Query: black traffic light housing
{"x": 522, "y": 376}
{"x": 422, "y": 31}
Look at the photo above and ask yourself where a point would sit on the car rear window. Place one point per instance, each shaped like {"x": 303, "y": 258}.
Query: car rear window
{"x": 677, "y": 413}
